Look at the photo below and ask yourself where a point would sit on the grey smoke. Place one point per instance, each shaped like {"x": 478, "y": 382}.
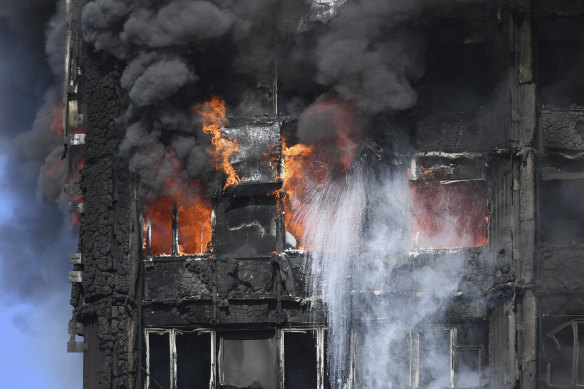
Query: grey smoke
{"x": 322, "y": 121}
{"x": 368, "y": 56}
{"x": 102, "y": 21}
{"x": 159, "y": 80}
{"x": 176, "y": 24}
{"x": 160, "y": 44}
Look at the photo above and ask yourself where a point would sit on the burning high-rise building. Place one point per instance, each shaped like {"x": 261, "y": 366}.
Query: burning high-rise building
{"x": 292, "y": 194}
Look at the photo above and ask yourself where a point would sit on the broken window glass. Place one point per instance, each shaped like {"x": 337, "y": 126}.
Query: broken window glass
{"x": 193, "y": 360}
{"x": 300, "y": 366}
{"x": 248, "y": 359}
{"x": 159, "y": 363}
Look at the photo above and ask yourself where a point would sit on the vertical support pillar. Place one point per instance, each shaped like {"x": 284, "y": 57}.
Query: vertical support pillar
{"x": 523, "y": 106}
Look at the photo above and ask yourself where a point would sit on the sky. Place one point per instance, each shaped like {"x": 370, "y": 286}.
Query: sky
{"x": 35, "y": 240}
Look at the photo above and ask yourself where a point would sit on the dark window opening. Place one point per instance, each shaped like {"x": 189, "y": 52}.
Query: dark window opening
{"x": 159, "y": 367}
{"x": 457, "y": 78}
{"x": 247, "y": 359}
{"x": 193, "y": 360}
{"x": 562, "y": 212}
{"x": 561, "y": 61}
{"x": 300, "y": 366}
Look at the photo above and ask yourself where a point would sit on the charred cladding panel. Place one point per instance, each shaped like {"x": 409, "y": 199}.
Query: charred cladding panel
{"x": 178, "y": 278}
{"x": 257, "y": 157}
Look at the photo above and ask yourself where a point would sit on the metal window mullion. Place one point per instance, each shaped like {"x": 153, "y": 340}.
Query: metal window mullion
{"x": 410, "y": 345}
{"x": 173, "y": 364}
{"x": 280, "y": 338}
{"x": 416, "y": 361}
{"x": 320, "y": 358}
{"x": 480, "y": 366}
{"x": 220, "y": 375}
{"x": 575, "y": 354}
{"x": 452, "y": 357}
{"x": 147, "y": 337}
{"x": 213, "y": 379}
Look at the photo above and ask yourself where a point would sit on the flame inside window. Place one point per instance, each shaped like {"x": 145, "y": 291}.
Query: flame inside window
{"x": 194, "y": 223}
{"x": 449, "y": 215}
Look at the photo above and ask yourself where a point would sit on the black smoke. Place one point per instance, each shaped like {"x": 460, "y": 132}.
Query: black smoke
{"x": 364, "y": 53}
{"x": 177, "y": 54}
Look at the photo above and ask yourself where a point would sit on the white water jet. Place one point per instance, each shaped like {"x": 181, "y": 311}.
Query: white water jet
{"x": 357, "y": 231}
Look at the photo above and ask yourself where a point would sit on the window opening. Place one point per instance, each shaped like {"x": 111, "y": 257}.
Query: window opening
{"x": 562, "y": 353}
{"x": 300, "y": 360}
{"x": 193, "y": 360}
{"x": 449, "y": 215}
{"x": 248, "y": 359}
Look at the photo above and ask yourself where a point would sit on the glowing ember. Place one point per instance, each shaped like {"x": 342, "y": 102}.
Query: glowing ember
{"x": 213, "y": 118}
{"x": 449, "y": 216}
{"x": 194, "y": 214}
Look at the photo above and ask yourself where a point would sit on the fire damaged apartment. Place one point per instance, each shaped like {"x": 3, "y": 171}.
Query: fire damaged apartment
{"x": 326, "y": 194}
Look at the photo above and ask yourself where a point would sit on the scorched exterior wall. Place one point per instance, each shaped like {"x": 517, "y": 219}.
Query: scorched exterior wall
{"x": 515, "y": 292}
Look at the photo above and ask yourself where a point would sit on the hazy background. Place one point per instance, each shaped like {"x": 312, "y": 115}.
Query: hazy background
{"x": 34, "y": 236}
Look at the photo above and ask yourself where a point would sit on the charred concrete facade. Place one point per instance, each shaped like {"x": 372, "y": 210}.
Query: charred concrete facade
{"x": 500, "y": 120}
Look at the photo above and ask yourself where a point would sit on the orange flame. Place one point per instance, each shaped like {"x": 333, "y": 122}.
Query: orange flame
{"x": 194, "y": 215}
{"x": 213, "y": 118}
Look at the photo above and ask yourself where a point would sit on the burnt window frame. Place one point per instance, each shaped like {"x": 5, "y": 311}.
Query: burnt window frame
{"x": 417, "y": 172}
{"x": 173, "y": 356}
{"x": 279, "y": 343}
{"x": 413, "y": 340}
{"x": 573, "y": 321}
{"x": 319, "y": 334}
